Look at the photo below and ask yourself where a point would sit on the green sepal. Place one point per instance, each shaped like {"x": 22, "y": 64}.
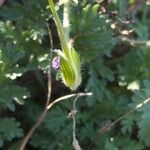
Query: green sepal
{"x": 70, "y": 67}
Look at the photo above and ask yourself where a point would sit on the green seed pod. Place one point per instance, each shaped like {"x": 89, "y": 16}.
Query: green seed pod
{"x": 70, "y": 68}
{"x": 69, "y": 59}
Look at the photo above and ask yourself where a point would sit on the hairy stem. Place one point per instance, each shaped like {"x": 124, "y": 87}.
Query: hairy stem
{"x": 59, "y": 27}
{"x": 66, "y": 23}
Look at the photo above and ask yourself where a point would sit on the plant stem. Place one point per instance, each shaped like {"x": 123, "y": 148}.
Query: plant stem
{"x": 44, "y": 113}
{"x": 59, "y": 27}
{"x": 68, "y": 96}
{"x": 66, "y": 23}
{"x": 75, "y": 142}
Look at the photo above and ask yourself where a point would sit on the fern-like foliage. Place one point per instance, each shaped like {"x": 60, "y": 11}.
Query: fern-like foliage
{"x": 141, "y": 117}
{"x": 9, "y": 129}
{"x": 118, "y": 82}
{"x": 91, "y": 32}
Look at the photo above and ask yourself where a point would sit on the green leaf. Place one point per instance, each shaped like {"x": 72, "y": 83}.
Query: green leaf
{"x": 128, "y": 123}
{"x": 92, "y": 34}
{"x": 104, "y": 71}
{"x": 10, "y": 92}
{"x": 9, "y": 129}
{"x": 142, "y": 118}
{"x": 125, "y": 143}
{"x": 110, "y": 146}
{"x": 97, "y": 86}
{"x": 144, "y": 128}
{"x": 59, "y": 117}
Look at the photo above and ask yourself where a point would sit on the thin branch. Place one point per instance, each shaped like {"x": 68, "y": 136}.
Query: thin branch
{"x": 66, "y": 97}
{"x": 47, "y": 105}
{"x": 75, "y": 141}
{"x": 73, "y": 117}
{"x": 131, "y": 111}
{"x": 71, "y": 114}
{"x": 49, "y": 85}
{"x": 34, "y": 127}
{"x": 135, "y": 42}
{"x": 124, "y": 115}
{"x": 108, "y": 126}
{"x": 43, "y": 114}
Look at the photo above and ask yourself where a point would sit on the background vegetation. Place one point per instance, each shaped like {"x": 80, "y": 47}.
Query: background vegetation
{"x": 112, "y": 38}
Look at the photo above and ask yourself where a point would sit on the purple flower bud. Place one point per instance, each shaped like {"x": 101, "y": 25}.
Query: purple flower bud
{"x": 56, "y": 63}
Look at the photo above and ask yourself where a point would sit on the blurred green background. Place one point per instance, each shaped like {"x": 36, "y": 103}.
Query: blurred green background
{"x": 113, "y": 40}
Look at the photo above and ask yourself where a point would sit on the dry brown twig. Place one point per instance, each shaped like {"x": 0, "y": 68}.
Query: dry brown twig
{"x": 47, "y": 105}
{"x": 72, "y": 115}
{"x": 43, "y": 114}
{"x": 68, "y": 96}
{"x": 110, "y": 125}
{"x": 135, "y": 43}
